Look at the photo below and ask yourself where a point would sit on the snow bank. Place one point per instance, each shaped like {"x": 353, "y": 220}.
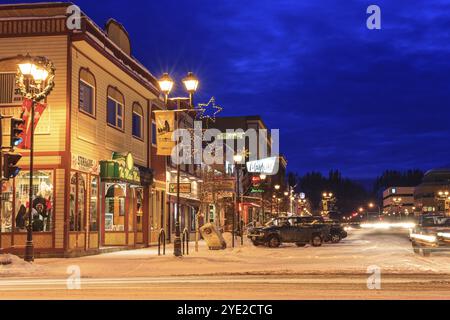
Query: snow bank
{"x": 14, "y": 266}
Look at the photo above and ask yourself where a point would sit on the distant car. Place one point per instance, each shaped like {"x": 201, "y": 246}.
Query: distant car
{"x": 431, "y": 234}
{"x": 289, "y": 230}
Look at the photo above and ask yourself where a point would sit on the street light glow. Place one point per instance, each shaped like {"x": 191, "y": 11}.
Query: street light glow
{"x": 190, "y": 82}
{"x": 166, "y": 83}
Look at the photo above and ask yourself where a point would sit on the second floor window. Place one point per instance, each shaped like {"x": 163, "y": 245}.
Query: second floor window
{"x": 115, "y": 108}
{"x": 137, "y": 121}
{"x": 87, "y": 92}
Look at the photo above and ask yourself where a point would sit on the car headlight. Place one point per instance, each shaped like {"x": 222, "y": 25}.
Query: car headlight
{"x": 424, "y": 237}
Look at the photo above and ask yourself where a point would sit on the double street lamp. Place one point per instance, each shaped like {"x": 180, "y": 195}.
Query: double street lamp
{"x": 33, "y": 73}
{"x": 166, "y": 84}
{"x": 444, "y": 196}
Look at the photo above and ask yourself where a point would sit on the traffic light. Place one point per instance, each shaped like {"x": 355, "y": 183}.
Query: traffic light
{"x": 16, "y": 131}
{"x": 10, "y": 170}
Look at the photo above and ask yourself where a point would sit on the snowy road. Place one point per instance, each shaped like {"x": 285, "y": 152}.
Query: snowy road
{"x": 333, "y": 271}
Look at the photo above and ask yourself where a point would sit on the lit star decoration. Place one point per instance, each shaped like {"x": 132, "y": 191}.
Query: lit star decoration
{"x": 203, "y": 108}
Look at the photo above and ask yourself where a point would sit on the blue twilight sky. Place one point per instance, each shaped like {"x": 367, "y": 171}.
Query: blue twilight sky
{"x": 344, "y": 97}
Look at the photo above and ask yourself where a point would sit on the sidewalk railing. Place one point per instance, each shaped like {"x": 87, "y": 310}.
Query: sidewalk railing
{"x": 162, "y": 240}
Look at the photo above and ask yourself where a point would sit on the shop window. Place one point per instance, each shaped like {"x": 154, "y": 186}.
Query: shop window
{"x": 93, "y": 207}
{"x": 138, "y": 121}
{"x": 87, "y": 92}
{"x": 77, "y": 215}
{"x": 115, "y": 108}
{"x": 42, "y": 212}
{"x": 139, "y": 210}
{"x": 6, "y": 208}
{"x": 192, "y": 219}
{"x": 154, "y": 133}
{"x": 115, "y": 207}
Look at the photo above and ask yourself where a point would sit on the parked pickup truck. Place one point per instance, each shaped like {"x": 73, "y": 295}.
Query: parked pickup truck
{"x": 431, "y": 234}
{"x": 289, "y": 230}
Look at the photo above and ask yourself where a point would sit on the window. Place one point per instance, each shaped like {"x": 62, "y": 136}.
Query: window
{"x": 154, "y": 133}
{"x": 87, "y": 92}
{"x": 138, "y": 121}
{"x": 42, "y": 217}
{"x": 115, "y": 207}
{"x": 93, "y": 214}
{"x": 115, "y": 108}
{"x": 77, "y": 202}
{"x": 8, "y": 92}
{"x": 6, "y": 209}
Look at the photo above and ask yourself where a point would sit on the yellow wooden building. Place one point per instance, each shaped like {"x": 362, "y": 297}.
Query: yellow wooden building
{"x": 93, "y": 145}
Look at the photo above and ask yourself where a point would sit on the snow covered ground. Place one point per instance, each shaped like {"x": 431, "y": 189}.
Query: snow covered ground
{"x": 390, "y": 250}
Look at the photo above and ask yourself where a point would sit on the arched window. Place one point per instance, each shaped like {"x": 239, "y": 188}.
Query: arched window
{"x": 115, "y": 108}
{"x": 138, "y": 121}
{"x": 87, "y": 92}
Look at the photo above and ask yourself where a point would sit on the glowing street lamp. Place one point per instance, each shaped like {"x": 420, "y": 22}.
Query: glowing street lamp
{"x": 166, "y": 85}
{"x": 191, "y": 84}
{"x": 32, "y": 73}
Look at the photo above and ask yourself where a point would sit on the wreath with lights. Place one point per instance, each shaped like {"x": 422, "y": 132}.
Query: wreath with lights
{"x": 50, "y": 81}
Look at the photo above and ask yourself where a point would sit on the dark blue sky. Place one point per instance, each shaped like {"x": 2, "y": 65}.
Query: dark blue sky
{"x": 344, "y": 97}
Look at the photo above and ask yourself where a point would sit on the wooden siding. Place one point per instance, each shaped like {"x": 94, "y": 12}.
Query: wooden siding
{"x": 92, "y": 137}
{"x": 50, "y": 132}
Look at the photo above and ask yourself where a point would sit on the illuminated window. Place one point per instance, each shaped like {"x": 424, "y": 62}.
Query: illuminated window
{"x": 138, "y": 121}
{"x": 115, "y": 108}
{"x": 87, "y": 92}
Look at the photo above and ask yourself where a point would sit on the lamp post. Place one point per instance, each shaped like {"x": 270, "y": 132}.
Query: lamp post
{"x": 263, "y": 177}
{"x": 398, "y": 204}
{"x": 237, "y": 158}
{"x": 32, "y": 74}
{"x": 274, "y": 196}
{"x": 327, "y": 197}
{"x": 166, "y": 85}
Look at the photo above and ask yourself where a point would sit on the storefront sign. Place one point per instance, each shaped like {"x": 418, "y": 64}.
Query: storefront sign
{"x": 120, "y": 168}
{"x": 268, "y": 166}
{"x": 231, "y": 136}
{"x": 165, "y": 125}
{"x": 184, "y": 188}
{"x": 256, "y": 190}
{"x": 81, "y": 163}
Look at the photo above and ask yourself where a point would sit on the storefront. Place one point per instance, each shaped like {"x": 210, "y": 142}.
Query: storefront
{"x": 125, "y": 188}
{"x": 83, "y": 224}
{"x": 189, "y": 202}
{"x": 14, "y": 210}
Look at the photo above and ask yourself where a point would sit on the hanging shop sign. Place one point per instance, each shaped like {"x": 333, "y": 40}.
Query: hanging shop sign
{"x": 184, "y": 188}
{"x": 165, "y": 125}
{"x": 84, "y": 164}
{"x": 268, "y": 166}
{"x": 120, "y": 168}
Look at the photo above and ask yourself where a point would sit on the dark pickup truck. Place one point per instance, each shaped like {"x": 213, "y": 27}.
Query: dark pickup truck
{"x": 289, "y": 230}
{"x": 431, "y": 234}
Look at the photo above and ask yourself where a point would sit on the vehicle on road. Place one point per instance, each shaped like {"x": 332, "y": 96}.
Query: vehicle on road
{"x": 289, "y": 230}
{"x": 431, "y": 234}
{"x": 337, "y": 232}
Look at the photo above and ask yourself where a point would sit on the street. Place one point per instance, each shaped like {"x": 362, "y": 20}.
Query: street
{"x": 333, "y": 271}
